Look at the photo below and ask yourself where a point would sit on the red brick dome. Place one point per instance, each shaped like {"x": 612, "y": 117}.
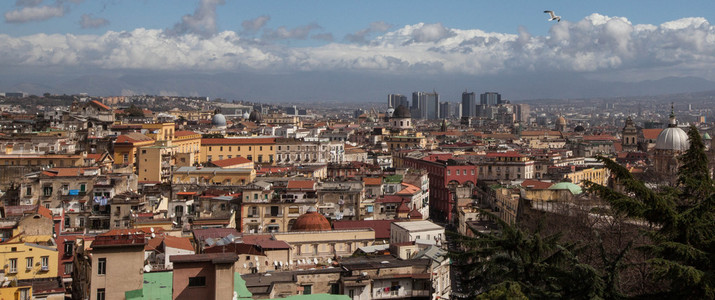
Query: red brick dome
{"x": 311, "y": 221}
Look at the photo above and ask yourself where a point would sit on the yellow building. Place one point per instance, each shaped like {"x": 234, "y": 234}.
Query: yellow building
{"x": 16, "y": 292}
{"x": 154, "y": 162}
{"x": 596, "y": 175}
{"x": 282, "y": 119}
{"x": 413, "y": 141}
{"x": 53, "y": 160}
{"x": 29, "y": 257}
{"x": 160, "y": 131}
{"x": 126, "y": 146}
{"x": 201, "y": 175}
{"x": 256, "y": 149}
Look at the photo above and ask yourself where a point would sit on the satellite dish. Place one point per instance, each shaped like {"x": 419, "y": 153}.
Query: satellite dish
{"x": 315, "y": 260}
{"x": 147, "y": 268}
{"x": 151, "y": 229}
{"x": 244, "y": 266}
{"x": 153, "y": 235}
{"x": 256, "y": 258}
{"x": 280, "y": 263}
{"x": 275, "y": 263}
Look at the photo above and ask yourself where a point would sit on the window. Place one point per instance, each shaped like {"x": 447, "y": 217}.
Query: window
{"x": 101, "y": 267}
{"x": 208, "y": 157}
{"x": 126, "y": 157}
{"x": 28, "y": 191}
{"x": 69, "y": 246}
{"x": 28, "y": 262}
{"x": 67, "y": 222}
{"x": 47, "y": 191}
{"x": 197, "y": 281}
{"x": 100, "y": 294}
{"x": 45, "y": 263}
{"x": 249, "y": 157}
{"x": 449, "y": 172}
{"x": 209, "y": 148}
{"x": 82, "y": 187}
{"x": 12, "y": 265}
{"x": 307, "y": 289}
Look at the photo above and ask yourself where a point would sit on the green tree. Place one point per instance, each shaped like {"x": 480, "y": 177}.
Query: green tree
{"x": 680, "y": 219}
{"x": 511, "y": 262}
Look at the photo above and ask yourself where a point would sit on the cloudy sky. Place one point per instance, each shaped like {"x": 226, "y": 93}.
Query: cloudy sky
{"x": 355, "y": 50}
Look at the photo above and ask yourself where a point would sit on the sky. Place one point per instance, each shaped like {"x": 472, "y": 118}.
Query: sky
{"x": 57, "y": 45}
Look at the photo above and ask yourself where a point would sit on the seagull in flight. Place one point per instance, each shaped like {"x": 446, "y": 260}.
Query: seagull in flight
{"x": 553, "y": 16}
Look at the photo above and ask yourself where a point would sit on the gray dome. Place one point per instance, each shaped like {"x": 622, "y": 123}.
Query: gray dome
{"x": 218, "y": 120}
{"x": 402, "y": 112}
{"x": 255, "y": 116}
{"x": 672, "y": 138}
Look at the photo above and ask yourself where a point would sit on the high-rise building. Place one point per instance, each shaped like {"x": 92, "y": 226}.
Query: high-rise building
{"x": 469, "y": 104}
{"x": 490, "y": 98}
{"x": 426, "y": 105}
{"x": 522, "y": 112}
{"x": 444, "y": 111}
{"x": 395, "y": 100}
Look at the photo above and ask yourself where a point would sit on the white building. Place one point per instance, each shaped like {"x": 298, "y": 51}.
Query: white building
{"x": 402, "y": 232}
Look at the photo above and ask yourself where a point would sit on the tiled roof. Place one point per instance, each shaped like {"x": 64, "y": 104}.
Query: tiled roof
{"x": 230, "y": 161}
{"x": 536, "y": 184}
{"x": 651, "y": 134}
{"x": 238, "y": 141}
{"x": 133, "y": 137}
{"x": 599, "y": 137}
{"x": 372, "y": 180}
{"x": 409, "y": 189}
{"x": 178, "y": 242}
{"x": 100, "y": 104}
{"x": 504, "y": 154}
{"x": 301, "y": 185}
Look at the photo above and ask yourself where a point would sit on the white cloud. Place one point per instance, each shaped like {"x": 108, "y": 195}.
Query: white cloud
{"x": 361, "y": 35}
{"x": 34, "y": 13}
{"x": 253, "y": 25}
{"x": 88, "y": 21}
{"x": 202, "y": 22}
{"x": 595, "y": 45}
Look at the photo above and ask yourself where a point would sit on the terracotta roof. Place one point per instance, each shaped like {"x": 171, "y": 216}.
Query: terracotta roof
{"x": 43, "y": 211}
{"x": 206, "y": 257}
{"x": 504, "y": 154}
{"x": 372, "y": 180}
{"x": 536, "y": 184}
{"x": 403, "y": 208}
{"x": 100, "y": 104}
{"x": 133, "y": 137}
{"x": 153, "y": 244}
{"x": 301, "y": 185}
{"x": 95, "y": 156}
{"x": 273, "y": 244}
{"x": 311, "y": 221}
{"x": 202, "y": 234}
{"x": 408, "y": 189}
{"x": 230, "y": 162}
{"x": 390, "y": 199}
{"x": 238, "y": 141}
{"x": 185, "y": 133}
{"x": 415, "y": 214}
{"x": 381, "y": 227}
{"x": 178, "y": 242}
{"x": 651, "y": 134}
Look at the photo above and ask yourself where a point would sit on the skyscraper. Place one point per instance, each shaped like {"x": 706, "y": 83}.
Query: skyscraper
{"x": 395, "y": 100}
{"x": 490, "y": 98}
{"x": 425, "y": 105}
{"x": 469, "y": 104}
{"x": 444, "y": 111}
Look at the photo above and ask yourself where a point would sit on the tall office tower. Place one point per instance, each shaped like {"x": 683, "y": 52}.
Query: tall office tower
{"x": 469, "y": 104}
{"x": 490, "y": 98}
{"x": 522, "y": 112}
{"x": 432, "y": 105}
{"x": 425, "y": 105}
{"x": 444, "y": 110}
{"x": 395, "y": 100}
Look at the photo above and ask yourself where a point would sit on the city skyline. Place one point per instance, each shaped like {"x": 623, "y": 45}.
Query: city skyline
{"x": 205, "y": 47}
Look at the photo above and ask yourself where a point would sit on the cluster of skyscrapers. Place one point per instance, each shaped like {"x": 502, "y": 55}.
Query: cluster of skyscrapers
{"x": 426, "y": 105}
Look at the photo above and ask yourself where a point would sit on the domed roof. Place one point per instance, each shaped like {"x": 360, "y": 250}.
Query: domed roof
{"x": 255, "y": 116}
{"x": 390, "y": 112}
{"x": 218, "y": 120}
{"x": 561, "y": 120}
{"x": 574, "y": 188}
{"x": 401, "y": 112}
{"x": 311, "y": 221}
{"x": 672, "y": 138}
{"x": 579, "y": 128}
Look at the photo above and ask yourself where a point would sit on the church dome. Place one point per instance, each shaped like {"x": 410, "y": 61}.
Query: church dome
{"x": 402, "y": 112}
{"x": 218, "y": 120}
{"x": 311, "y": 221}
{"x": 672, "y": 138}
{"x": 561, "y": 120}
{"x": 255, "y": 116}
{"x": 579, "y": 128}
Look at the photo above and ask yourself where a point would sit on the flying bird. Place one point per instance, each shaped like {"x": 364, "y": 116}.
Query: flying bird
{"x": 553, "y": 16}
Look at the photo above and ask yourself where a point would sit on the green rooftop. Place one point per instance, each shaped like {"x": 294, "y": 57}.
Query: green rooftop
{"x": 157, "y": 286}
{"x": 574, "y": 188}
{"x": 393, "y": 178}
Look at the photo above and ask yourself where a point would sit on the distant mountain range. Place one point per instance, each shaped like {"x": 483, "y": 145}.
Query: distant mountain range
{"x": 350, "y": 86}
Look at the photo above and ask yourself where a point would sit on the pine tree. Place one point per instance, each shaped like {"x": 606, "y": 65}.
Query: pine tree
{"x": 513, "y": 263}
{"x": 681, "y": 222}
